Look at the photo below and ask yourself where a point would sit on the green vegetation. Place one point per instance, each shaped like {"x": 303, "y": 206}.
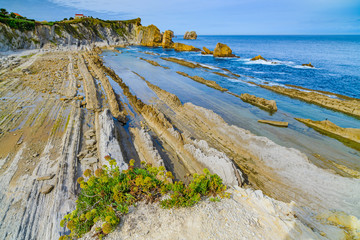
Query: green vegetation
{"x": 107, "y": 194}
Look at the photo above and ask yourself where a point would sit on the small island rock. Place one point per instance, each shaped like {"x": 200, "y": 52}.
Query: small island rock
{"x": 259, "y": 57}
{"x": 190, "y": 35}
{"x": 167, "y": 39}
{"x": 222, "y": 50}
{"x": 307, "y": 65}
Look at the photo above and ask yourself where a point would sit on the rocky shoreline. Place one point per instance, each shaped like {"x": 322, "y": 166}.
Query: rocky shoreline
{"x": 74, "y": 100}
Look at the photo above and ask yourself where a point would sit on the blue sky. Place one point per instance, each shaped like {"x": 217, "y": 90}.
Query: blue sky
{"x": 209, "y": 16}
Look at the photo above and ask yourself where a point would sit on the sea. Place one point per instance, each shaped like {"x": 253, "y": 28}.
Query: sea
{"x": 336, "y": 61}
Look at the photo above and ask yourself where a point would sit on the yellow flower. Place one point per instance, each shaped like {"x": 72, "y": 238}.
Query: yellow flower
{"x": 99, "y": 172}
{"x": 87, "y": 173}
{"x": 106, "y": 228}
{"x": 80, "y": 180}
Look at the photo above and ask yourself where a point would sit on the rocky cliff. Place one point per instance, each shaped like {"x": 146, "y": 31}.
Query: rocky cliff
{"x": 74, "y": 33}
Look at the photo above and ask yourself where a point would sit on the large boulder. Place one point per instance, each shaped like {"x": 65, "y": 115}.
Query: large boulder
{"x": 167, "y": 39}
{"x": 180, "y": 47}
{"x": 190, "y": 35}
{"x": 206, "y": 51}
{"x": 149, "y": 36}
{"x": 222, "y": 50}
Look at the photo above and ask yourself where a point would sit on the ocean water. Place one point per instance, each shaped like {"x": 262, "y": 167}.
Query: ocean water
{"x": 334, "y": 71}
{"x": 336, "y": 59}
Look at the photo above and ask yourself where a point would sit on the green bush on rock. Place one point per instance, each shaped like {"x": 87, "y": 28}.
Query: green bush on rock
{"x": 107, "y": 194}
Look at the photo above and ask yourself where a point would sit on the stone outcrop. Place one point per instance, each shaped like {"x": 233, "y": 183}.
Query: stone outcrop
{"x": 181, "y": 47}
{"x": 268, "y": 105}
{"x": 156, "y": 64}
{"x": 167, "y": 39}
{"x": 274, "y": 123}
{"x": 259, "y": 57}
{"x": 349, "y": 106}
{"x": 222, "y": 50}
{"x": 149, "y": 36}
{"x": 181, "y": 62}
{"x": 350, "y": 136}
{"x": 76, "y": 34}
{"x": 307, "y": 65}
{"x": 206, "y": 51}
{"x": 208, "y": 83}
{"x": 190, "y": 35}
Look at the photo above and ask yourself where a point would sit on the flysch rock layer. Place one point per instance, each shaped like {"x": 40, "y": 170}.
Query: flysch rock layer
{"x": 208, "y": 83}
{"x": 351, "y": 107}
{"x": 348, "y": 135}
{"x": 268, "y": 105}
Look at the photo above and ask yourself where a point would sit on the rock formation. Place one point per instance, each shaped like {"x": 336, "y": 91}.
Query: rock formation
{"x": 190, "y": 35}
{"x": 181, "y": 62}
{"x": 156, "y": 64}
{"x": 181, "y": 47}
{"x": 149, "y": 36}
{"x": 222, "y": 50}
{"x": 206, "y": 51}
{"x": 76, "y": 34}
{"x": 268, "y": 105}
{"x": 274, "y": 123}
{"x": 350, "y": 136}
{"x": 259, "y": 57}
{"x": 350, "y": 106}
{"x": 208, "y": 83}
{"x": 167, "y": 39}
{"x": 307, "y": 65}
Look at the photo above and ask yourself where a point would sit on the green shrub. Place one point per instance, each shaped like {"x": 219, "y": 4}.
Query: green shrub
{"x": 107, "y": 194}
{"x": 23, "y": 25}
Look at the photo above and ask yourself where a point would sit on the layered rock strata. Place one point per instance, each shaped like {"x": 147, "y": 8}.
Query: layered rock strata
{"x": 351, "y": 136}
{"x": 208, "y": 83}
{"x": 268, "y": 105}
{"x": 351, "y": 106}
{"x": 181, "y": 47}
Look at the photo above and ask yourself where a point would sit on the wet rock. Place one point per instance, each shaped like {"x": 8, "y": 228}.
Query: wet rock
{"x": 206, "y": 51}
{"x": 89, "y": 161}
{"x": 307, "y": 65}
{"x": 222, "y": 50}
{"x": 259, "y": 57}
{"x": 274, "y": 123}
{"x": 167, "y": 39}
{"x": 46, "y": 177}
{"x": 180, "y": 47}
{"x": 190, "y": 35}
{"x": 351, "y": 136}
{"x": 268, "y": 105}
{"x": 46, "y": 189}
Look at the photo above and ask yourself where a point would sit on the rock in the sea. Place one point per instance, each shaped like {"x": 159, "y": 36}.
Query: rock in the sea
{"x": 190, "y": 35}
{"x": 167, "y": 39}
{"x": 46, "y": 177}
{"x": 46, "y": 189}
{"x": 180, "y": 47}
{"x": 350, "y": 136}
{"x": 274, "y": 123}
{"x": 259, "y": 57}
{"x": 268, "y": 105}
{"x": 307, "y": 65}
{"x": 222, "y": 50}
{"x": 149, "y": 36}
{"x": 206, "y": 51}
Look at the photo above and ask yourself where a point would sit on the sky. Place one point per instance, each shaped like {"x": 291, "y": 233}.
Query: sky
{"x": 209, "y": 17}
